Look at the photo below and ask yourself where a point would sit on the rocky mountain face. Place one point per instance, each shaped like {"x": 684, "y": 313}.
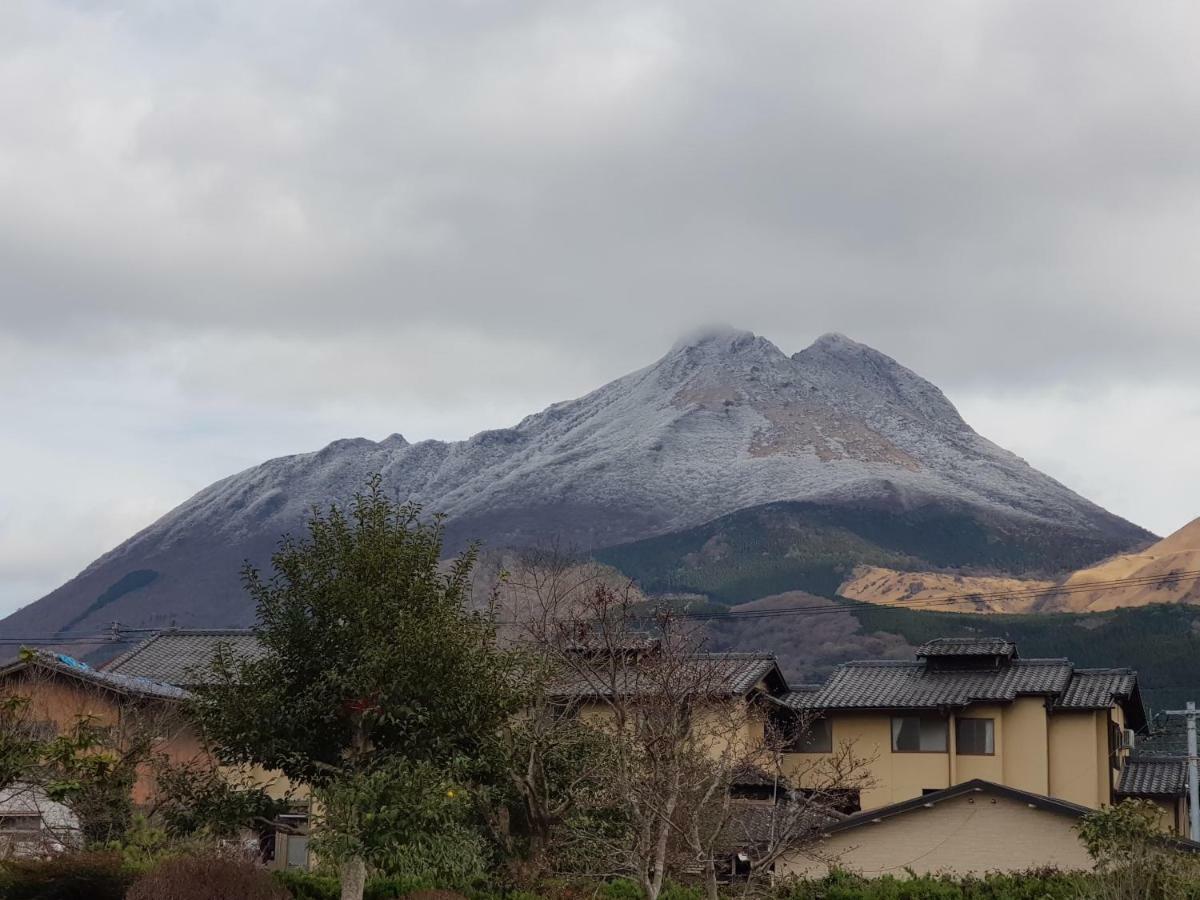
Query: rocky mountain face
{"x": 1164, "y": 572}
{"x": 723, "y": 423}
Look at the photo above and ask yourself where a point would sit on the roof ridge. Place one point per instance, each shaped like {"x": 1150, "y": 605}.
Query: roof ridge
{"x": 1044, "y": 661}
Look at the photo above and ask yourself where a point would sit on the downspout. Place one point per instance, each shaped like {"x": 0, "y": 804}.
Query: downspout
{"x": 952, "y": 745}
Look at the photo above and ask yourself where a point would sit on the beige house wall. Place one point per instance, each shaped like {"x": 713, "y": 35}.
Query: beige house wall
{"x": 1079, "y": 770}
{"x": 974, "y": 834}
{"x": 1056, "y": 754}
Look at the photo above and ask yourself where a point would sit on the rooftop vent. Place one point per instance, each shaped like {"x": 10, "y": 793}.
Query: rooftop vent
{"x": 967, "y": 653}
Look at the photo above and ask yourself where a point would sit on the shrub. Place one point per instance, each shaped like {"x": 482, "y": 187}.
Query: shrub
{"x": 207, "y": 878}
{"x": 302, "y": 885}
{"x": 621, "y": 889}
{"x": 73, "y": 876}
{"x": 391, "y": 888}
{"x": 425, "y": 894}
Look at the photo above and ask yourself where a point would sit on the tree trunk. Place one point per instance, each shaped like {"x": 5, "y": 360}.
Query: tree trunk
{"x": 710, "y": 878}
{"x": 354, "y": 878}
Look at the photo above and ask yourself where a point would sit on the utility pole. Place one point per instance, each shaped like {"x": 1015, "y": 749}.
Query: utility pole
{"x": 1193, "y": 768}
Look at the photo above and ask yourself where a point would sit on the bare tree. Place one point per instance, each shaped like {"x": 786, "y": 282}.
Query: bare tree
{"x": 678, "y": 732}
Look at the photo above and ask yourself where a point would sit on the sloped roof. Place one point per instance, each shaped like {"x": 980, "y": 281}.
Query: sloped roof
{"x": 124, "y": 684}
{"x": 1097, "y": 688}
{"x": 182, "y": 657}
{"x": 734, "y": 674}
{"x": 1150, "y": 776}
{"x": 967, "y": 647}
{"x": 878, "y": 684}
{"x": 974, "y": 786}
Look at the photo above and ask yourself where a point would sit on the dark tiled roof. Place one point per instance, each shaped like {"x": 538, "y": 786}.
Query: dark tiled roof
{"x": 753, "y": 824}
{"x": 974, "y": 786}
{"x": 715, "y": 673}
{"x": 124, "y": 684}
{"x": 1097, "y": 688}
{"x": 182, "y": 656}
{"x": 873, "y": 684}
{"x": 967, "y": 647}
{"x": 1154, "y": 777}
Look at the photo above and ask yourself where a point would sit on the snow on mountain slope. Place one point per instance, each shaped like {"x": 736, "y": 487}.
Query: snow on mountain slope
{"x": 723, "y": 422}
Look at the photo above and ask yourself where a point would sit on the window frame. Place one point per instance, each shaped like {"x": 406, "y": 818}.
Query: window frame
{"x": 797, "y": 744}
{"x": 8, "y": 818}
{"x": 958, "y": 750}
{"x": 920, "y": 717}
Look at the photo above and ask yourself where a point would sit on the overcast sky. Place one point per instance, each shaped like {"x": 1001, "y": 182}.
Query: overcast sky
{"x": 230, "y": 231}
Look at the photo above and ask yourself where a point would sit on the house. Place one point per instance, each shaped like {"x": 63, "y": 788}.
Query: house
{"x": 182, "y": 657}
{"x": 968, "y": 710}
{"x": 1163, "y": 781}
{"x": 61, "y": 692}
{"x": 974, "y": 827}
{"x": 967, "y": 723}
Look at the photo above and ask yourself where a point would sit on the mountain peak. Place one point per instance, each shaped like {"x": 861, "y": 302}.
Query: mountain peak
{"x": 835, "y": 340}
{"x": 724, "y": 422}
{"x": 718, "y": 336}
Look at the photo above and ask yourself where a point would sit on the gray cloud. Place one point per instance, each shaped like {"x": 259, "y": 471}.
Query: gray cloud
{"x": 229, "y": 230}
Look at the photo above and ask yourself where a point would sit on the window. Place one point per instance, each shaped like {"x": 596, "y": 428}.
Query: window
{"x": 817, "y": 737}
{"x": 975, "y": 737}
{"x": 919, "y": 734}
{"x": 17, "y": 824}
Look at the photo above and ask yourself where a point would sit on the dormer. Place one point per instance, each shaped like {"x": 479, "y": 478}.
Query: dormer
{"x": 966, "y": 654}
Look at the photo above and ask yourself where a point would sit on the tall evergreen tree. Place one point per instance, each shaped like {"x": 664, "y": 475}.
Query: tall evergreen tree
{"x": 374, "y": 674}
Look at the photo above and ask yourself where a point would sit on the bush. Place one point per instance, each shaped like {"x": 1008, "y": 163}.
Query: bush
{"x": 302, "y": 885}
{"x": 73, "y": 876}
{"x": 207, "y": 878}
{"x": 391, "y": 888}
{"x": 621, "y": 889}
{"x": 1038, "y": 885}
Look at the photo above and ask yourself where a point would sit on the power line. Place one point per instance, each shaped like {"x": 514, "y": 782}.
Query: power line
{"x": 114, "y": 634}
{"x": 932, "y": 602}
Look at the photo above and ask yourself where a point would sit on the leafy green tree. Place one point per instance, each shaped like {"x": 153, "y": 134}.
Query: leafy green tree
{"x": 86, "y": 770}
{"x": 20, "y": 747}
{"x": 373, "y": 666}
{"x": 200, "y": 801}
{"x": 1134, "y": 855}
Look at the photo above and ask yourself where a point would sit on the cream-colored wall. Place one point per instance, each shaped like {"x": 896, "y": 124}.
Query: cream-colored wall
{"x": 1077, "y": 765}
{"x": 887, "y": 777}
{"x": 975, "y": 834}
{"x": 989, "y": 768}
{"x": 1026, "y": 745}
{"x": 1063, "y": 754}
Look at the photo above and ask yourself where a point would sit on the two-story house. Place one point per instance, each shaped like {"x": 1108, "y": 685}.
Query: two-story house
{"x": 974, "y": 709}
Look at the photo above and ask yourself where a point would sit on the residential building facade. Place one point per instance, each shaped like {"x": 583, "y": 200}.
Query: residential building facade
{"x": 973, "y": 709}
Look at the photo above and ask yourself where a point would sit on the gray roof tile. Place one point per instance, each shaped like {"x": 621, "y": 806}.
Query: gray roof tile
{"x": 125, "y": 684}
{"x": 967, "y": 647}
{"x": 732, "y": 673}
{"x": 1154, "y": 777}
{"x": 1097, "y": 688}
{"x": 875, "y": 684}
{"x": 182, "y": 657}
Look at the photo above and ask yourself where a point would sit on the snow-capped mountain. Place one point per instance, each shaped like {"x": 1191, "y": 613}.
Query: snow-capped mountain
{"x": 723, "y": 422}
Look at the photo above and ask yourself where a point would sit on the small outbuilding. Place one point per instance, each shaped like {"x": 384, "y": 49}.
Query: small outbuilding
{"x": 971, "y": 828}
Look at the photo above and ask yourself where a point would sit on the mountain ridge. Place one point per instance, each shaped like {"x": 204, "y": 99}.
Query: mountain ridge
{"x": 724, "y": 421}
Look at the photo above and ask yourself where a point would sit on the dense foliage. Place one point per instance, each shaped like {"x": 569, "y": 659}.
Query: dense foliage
{"x": 377, "y": 687}
{"x": 780, "y": 547}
